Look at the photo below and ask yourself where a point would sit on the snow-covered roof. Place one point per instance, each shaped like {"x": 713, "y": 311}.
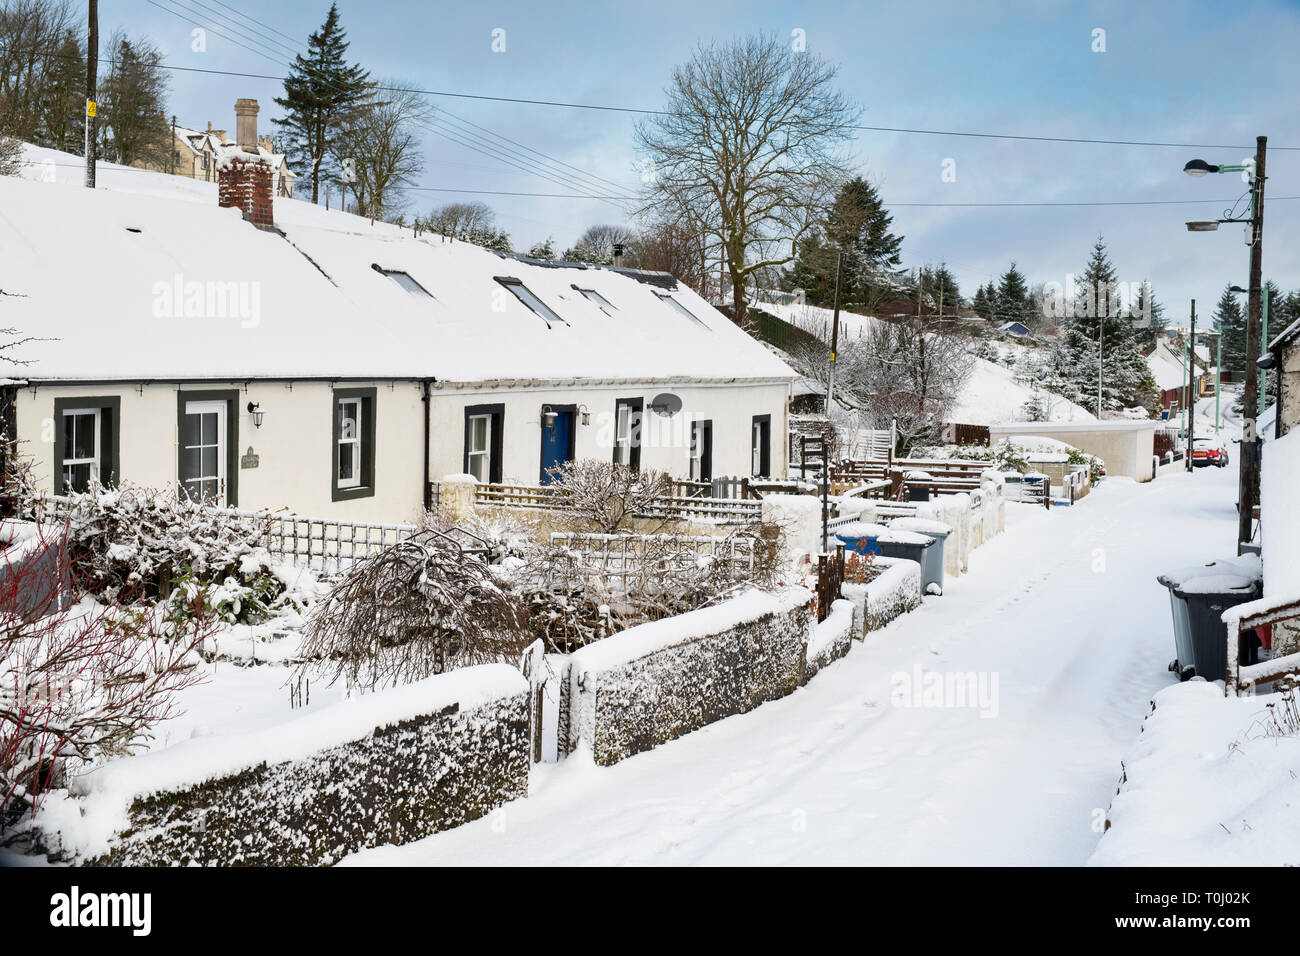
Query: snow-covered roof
{"x": 96, "y": 271}
{"x": 1168, "y": 372}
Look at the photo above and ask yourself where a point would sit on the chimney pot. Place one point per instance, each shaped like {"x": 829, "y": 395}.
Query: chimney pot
{"x": 246, "y": 124}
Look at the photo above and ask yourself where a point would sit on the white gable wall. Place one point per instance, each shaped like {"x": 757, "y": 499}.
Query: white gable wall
{"x": 665, "y": 441}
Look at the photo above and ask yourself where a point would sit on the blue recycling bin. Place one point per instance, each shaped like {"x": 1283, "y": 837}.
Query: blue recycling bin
{"x": 861, "y": 537}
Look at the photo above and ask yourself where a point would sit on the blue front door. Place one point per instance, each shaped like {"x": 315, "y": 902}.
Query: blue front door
{"x": 557, "y": 444}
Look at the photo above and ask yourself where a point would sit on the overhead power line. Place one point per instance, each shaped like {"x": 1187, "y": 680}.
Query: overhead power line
{"x": 888, "y": 205}
{"x": 546, "y": 167}
{"x": 605, "y": 107}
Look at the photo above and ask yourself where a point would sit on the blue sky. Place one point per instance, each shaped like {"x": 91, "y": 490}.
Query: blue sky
{"x": 1190, "y": 72}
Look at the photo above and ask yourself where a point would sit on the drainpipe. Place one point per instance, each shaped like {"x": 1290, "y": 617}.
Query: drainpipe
{"x": 425, "y": 399}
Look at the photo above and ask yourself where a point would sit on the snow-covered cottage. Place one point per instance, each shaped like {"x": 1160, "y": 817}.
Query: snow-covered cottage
{"x": 286, "y": 356}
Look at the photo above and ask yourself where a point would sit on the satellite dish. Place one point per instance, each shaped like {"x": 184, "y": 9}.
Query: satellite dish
{"x": 666, "y": 404}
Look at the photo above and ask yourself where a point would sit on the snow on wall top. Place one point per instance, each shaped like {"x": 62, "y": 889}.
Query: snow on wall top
{"x": 195, "y": 761}
{"x": 146, "y": 277}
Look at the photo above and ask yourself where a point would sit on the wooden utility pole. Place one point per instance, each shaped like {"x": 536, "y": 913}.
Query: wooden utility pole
{"x": 92, "y": 67}
{"x": 830, "y": 392}
{"x": 1249, "y": 481}
{"x": 1191, "y": 392}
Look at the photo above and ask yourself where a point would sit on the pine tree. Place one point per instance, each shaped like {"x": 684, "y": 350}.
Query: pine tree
{"x": 1126, "y": 380}
{"x": 319, "y": 92}
{"x": 1148, "y": 317}
{"x": 1012, "y": 297}
{"x": 1230, "y": 322}
{"x": 980, "y": 304}
{"x": 858, "y": 225}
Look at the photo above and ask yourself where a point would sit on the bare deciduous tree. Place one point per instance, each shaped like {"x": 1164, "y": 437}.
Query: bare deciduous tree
{"x": 748, "y": 150}
{"x": 379, "y": 141}
{"x": 37, "y": 38}
{"x": 133, "y": 123}
{"x": 468, "y": 221}
{"x": 596, "y": 245}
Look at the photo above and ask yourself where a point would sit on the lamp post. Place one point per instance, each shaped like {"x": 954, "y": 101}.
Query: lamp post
{"x": 1248, "y": 491}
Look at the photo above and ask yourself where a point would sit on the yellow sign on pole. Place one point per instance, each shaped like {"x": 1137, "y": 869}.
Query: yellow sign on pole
{"x": 90, "y": 108}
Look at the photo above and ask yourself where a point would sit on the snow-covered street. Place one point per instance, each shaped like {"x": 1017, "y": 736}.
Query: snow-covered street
{"x": 1062, "y": 611}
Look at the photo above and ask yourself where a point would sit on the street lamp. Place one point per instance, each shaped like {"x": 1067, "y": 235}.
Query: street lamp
{"x": 1199, "y": 167}
{"x": 1248, "y": 492}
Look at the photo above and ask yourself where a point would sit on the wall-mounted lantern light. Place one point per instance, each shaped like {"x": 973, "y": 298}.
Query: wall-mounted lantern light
{"x": 585, "y": 413}
{"x": 548, "y": 416}
{"x": 255, "y": 409}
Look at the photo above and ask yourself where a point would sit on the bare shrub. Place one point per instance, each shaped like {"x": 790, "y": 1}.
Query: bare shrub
{"x": 603, "y": 496}
{"x": 416, "y": 609}
{"x": 80, "y": 681}
{"x": 575, "y": 596}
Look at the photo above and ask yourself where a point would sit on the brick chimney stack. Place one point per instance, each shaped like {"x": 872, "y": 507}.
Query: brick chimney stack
{"x": 244, "y": 179}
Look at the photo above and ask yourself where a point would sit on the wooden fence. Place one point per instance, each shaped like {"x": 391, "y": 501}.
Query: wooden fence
{"x": 678, "y": 506}
{"x": 326, "y": 545}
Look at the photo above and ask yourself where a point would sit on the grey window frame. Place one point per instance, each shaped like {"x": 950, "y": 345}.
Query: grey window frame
{"x": 496, "y": 412}
{"x": 108, "y": 450}
{"x": 369, "y": 415}
{"x": 231, "y": 397}
{"x": 636, "y": 418}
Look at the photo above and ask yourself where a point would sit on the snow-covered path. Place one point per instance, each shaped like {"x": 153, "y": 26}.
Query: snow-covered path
{"x": 1062, "y": 609}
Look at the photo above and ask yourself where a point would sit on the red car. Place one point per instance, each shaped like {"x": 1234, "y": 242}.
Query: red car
{"x": 1209, "y": 451}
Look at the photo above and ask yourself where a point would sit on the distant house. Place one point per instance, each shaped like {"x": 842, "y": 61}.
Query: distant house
{"x": 1168, "y": 365}
{"x": 300, "y": 358}
{"x": 1018, "y": 329}
{"x": 194, "y": 152}
{"x": 1283, "y": 358}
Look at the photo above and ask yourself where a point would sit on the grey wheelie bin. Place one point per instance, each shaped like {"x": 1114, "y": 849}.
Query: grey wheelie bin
{"x": 936, "y": 531}
{"x": 1198, "y": 596}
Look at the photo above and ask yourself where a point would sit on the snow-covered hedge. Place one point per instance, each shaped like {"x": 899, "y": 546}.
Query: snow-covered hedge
{"x": 831, "y": 639}
{"x": 895, "y": 591}
{"x": 389, "y": 767}
{"x": 658, "y": 681}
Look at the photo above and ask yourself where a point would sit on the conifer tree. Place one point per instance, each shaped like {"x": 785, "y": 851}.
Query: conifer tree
{"x": 320, "y": 92}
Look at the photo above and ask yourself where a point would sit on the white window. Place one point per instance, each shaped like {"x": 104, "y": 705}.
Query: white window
{"x": 480, "y": 447}
{"x": 203, "y": 451}
{"x": 677, "y": 306}
{"x": 623, "y": 434}
{"x": 701, "y": 450}
{"x": 349, "y": 443}
{"x": 82, "y": 441}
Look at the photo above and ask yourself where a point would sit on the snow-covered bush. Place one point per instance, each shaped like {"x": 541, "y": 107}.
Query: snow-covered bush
{"x": 416, "y": 609}
{"x": 81, "y": 680}
{"x": 134, "y": 543}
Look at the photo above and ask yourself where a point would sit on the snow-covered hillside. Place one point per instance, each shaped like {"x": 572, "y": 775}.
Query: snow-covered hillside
{"x": 992, "y": 395}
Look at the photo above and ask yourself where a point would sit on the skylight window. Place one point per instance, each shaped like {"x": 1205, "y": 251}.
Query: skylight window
{"x": 525, "y": 295}
{"x": 600, "y": 301}
{"x": 668, "y": 299}
{"x": 404, "y": 280}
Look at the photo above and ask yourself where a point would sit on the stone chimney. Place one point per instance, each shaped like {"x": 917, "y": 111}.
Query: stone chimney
{"x": 618, "y": 255}
{"x": 246, "y": 125}
{"x": 244, "y": 179}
